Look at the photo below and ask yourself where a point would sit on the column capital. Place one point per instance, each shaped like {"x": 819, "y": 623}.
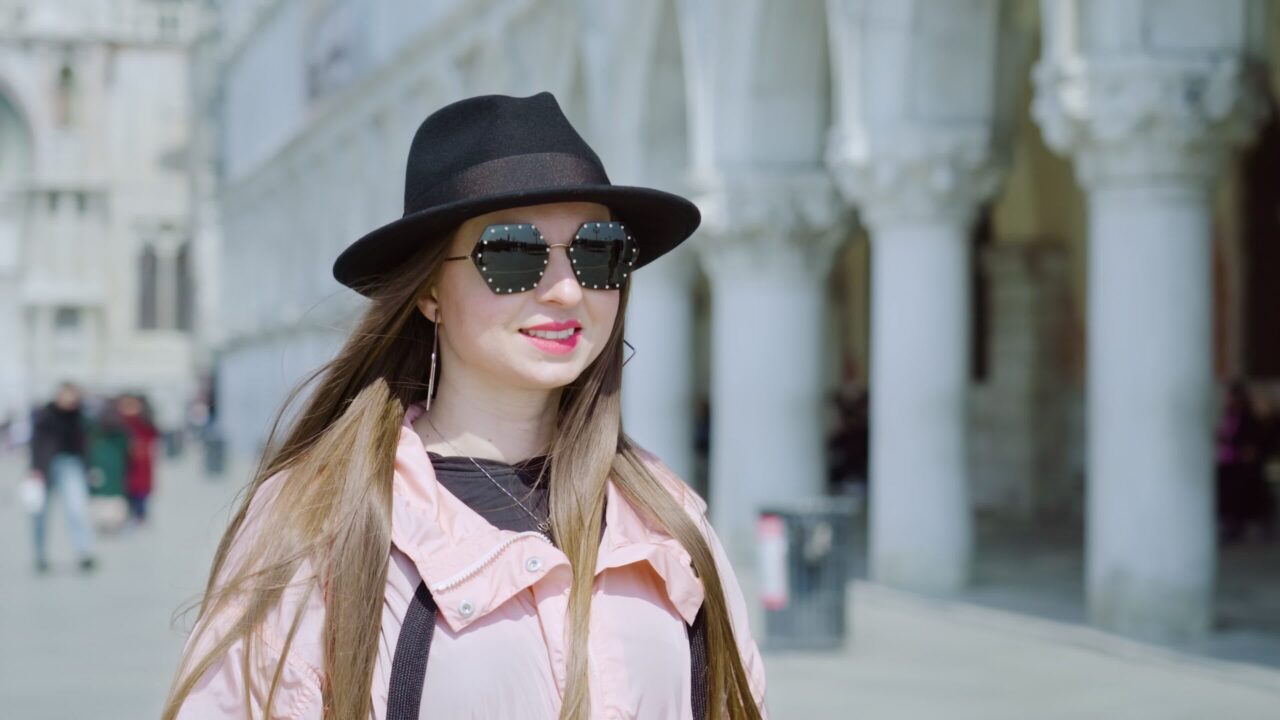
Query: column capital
{"x": 930, "y": 176}
{"x": 780, "y": 221}
{"x": 922, "y": 100}
{"x": 1132, "y": 110}
{"x": 1148, "y": 119}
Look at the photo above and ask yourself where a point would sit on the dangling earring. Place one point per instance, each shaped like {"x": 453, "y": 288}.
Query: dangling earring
{"x": 431, "y": 379}
{"x": 633, "y": 351}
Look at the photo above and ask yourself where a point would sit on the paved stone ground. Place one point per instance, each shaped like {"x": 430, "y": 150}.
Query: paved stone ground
{"x": 1039, "y": 569}
{"x": 911, "y": 657}
{"x": 102, "y": 645}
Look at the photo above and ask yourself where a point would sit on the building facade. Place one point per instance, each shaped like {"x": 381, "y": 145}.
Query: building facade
{"x": 97, "y": 261}
{"x": 1032, "y": 230}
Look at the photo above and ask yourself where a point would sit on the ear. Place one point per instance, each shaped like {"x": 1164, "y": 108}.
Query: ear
{"x": 429, "y": 304}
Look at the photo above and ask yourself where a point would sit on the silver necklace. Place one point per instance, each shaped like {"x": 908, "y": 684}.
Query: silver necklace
{"x": 544, "y": 526}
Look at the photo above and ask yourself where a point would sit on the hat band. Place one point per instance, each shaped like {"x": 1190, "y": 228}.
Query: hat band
{"x": 513, "y": 173}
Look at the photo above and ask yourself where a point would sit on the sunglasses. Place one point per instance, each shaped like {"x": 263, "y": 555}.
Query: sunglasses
{"x": 513, "y": 257}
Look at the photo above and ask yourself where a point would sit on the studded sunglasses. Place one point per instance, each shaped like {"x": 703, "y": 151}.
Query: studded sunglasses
{"x": 512, "y": 257}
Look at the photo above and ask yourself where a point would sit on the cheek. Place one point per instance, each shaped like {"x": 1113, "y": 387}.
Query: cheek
{"x": 602, "y": 308}
{"x": 478, "y": 319}
{"x": 484, "y": 329}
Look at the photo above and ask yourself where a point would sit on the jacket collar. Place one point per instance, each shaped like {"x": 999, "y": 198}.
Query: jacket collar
{"x": 472, "y": 567}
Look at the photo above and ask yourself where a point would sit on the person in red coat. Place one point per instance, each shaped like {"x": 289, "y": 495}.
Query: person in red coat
{"x": 139, "y": 473}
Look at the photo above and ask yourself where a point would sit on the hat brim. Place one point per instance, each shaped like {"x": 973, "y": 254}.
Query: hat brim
{"x": 659, "y": 221}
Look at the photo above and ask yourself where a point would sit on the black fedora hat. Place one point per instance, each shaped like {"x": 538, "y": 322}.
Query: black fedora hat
{"x": 492, "y": 152}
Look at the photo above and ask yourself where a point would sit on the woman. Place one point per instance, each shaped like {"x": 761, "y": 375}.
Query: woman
{"x": 457, "y": 526}
{"x": 141, "y": 468}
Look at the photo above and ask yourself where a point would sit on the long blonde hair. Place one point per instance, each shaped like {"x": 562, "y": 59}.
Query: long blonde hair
{"x": 331, "y": 515}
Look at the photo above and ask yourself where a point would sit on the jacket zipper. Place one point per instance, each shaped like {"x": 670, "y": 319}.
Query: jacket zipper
{"x": 479, "y": 565}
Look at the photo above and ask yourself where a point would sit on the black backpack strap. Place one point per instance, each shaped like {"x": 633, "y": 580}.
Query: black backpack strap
{"x": 409, "y": 667}
{"x": 698, "y": 664}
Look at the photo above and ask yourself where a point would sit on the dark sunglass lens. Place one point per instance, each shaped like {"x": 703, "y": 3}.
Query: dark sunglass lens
{"x": 511, "y": 258}
{"x": 602, "y": 254}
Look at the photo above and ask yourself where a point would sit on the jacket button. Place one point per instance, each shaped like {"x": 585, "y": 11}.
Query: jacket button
{"x": 466, "y": 609}
{"x": 533, "y": 564}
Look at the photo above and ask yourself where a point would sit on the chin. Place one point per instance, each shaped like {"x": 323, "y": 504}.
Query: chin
{"x": 552, "y": 378}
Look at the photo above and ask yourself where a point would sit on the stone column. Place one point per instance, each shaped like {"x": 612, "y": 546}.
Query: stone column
{"x": 767, "y": 245}
{"x": 920, "y": 105}
{"x": 920, "y": 531}
{"x": 1149, "y": 110}
{"x": 658, "y": 400}
{"x": 757, "y": 79}
{"x": 626, "y": 102}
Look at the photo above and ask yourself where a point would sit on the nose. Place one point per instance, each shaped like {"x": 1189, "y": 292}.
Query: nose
{"x": 559, "y": 281}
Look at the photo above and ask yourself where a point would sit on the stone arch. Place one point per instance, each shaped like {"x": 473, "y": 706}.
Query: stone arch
{"x": 664, "y": 127}
{"x": 788, "y": 84}
{"x": 574, "y": 98}
{"x": 759, "y": 86}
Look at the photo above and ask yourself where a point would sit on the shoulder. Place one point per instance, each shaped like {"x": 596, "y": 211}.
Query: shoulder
{"x": 259, "y": 519}
{"x": 288, "y": 636}
{"x": 259, "y": 502}
{"x": 693, "y": 503}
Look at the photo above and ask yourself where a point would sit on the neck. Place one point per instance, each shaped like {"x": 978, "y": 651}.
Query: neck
{"x": 480, "y": 421}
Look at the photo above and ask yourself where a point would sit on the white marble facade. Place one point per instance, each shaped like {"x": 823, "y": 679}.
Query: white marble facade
{"x": 801, "y": 127}
{"x": 96, "y": 253}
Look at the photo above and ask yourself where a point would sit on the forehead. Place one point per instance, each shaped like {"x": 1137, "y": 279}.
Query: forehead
{"x": 549, "y": 217}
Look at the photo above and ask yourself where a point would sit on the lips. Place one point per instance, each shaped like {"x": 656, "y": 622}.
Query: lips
{"x": 550, "y": 334}
{"x": 555, "y": 346}
{"x": 555, "y": 326}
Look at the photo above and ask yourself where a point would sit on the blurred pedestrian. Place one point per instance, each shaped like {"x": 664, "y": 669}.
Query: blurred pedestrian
{"x": 847, "y": 444}
{"x": 108, "y": 467}
{"x": 139, "y": 473}
{"x": 1269, "y": 461}
{"x": 58, "y": 458}
{"x": 1242, "y": 493}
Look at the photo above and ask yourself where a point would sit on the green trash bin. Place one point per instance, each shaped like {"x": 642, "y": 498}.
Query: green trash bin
{"x": 804, "y": 572}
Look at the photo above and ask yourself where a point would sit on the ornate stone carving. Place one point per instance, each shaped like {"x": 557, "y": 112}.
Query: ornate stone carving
{"x": 1147, "y": 118}
{"x": 1144, "y": 113}
{"x": 931, "y": 175}
{"x": 784, "y": 222}
{"x": 922, "y": 99}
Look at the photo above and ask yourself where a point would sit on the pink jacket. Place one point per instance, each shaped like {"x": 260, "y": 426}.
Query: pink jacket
{"x": 499, "y": 649}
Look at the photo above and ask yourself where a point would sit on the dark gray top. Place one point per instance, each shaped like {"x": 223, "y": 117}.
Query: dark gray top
{"x": 461, "y": 477}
